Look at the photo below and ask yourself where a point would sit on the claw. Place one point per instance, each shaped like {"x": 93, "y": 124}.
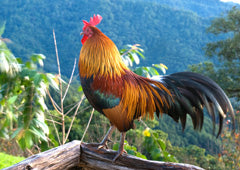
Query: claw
{"x": 102, "y": 146}
{"x": 116, "y": 157}
{"x": 109, "y": 140}
{"x": 105, "y": 140}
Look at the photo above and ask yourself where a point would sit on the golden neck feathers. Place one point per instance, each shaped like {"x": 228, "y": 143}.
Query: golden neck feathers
{"x": 100, "y": 56}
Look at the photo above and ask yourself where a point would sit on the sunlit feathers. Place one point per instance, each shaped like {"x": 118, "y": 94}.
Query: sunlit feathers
{"x": 97, "y": 59}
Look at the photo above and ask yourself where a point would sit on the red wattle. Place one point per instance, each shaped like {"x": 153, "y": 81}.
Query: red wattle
{"x": 84, "y": 38}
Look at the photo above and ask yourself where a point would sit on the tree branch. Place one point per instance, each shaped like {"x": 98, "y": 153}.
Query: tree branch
{"x": 54, "y": 103}
{"x": 61, "y": 90}
{"x": 70, "y": 80}
{"x": 53, "y": 121}
{"x": 73, "y": 118}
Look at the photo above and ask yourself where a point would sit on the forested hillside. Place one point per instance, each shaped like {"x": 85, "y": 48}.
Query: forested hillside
{"x": 168, "y": 34}
{"x": 203, "y": 8}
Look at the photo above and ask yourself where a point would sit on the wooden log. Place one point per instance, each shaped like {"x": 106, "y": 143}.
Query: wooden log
{"x": 62, "y": 157}
{"x": 68, "y": 156}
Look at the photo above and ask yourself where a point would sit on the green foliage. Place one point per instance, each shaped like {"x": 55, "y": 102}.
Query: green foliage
{"x": 22, "y": 93}
{"x": 230, "y": 154}
{"x": 150, "y": 71}
{"x": 227, "y": 50}
{"x": 132, "y": 150}
{"x": 155, "y": 144}
{"x": 8, "y": 160}
{"x": 132, "y": 54}
{"x": 195, "y": 155}
{"x": 9, "y": 66}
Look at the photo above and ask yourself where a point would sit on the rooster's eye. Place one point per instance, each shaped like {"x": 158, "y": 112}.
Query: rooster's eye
{"x": 88, "y": 32}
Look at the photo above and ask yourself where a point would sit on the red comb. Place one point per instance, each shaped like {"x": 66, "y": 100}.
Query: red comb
{"x": 96, "y": 19}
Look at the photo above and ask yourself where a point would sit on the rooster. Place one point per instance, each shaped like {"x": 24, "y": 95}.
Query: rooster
{"x": 123, "y": 96}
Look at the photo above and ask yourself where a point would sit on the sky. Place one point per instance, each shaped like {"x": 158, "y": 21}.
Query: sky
{"x": 235, "y": 1}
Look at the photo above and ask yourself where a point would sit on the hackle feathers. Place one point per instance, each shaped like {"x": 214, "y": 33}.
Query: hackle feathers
{"x": 100, "y": 56}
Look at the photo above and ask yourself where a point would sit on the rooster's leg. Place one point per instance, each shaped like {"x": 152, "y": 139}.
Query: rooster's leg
{"x": 107, "y": 137}
{"x": 121, "y": 146}
{"x": 103, "y": 143}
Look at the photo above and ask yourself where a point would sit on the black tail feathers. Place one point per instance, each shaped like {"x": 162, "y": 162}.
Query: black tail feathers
{"x": 191, "y": 93}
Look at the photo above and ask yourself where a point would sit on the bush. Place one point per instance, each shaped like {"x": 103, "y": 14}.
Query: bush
{"x": 8, "y": 160}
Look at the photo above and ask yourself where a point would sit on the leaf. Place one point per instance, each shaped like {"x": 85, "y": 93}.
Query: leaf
{"x": 140, "y": 54}
{"x": 28, "y": 73}
{"x": 37, "y": 79}
{"x": 41, "y": 125}
{"x": 153, "y": 71}
{"x": 80, "y": 89}
{"x": 4, "y": 64}
{"x": 28, "y": 139}
{"x": 166, "y": 154}
{"x": 162, "y": 144}
{"x": 115, "y": 146}
{"x": 38, "y": 58}
{"x": 12, "y": 99}
{"x": 19, "y": 60}
{"x": 136, "y": 58}
{"x": 29, "y": 64}
{"x": 22, "y": 143}
{"x": 16, "y": 132}
{"x": 44, "y": 146}
{"x": 3, "y": 101}
{"x": 156, "y": 154}
{"x": 56, "y": 79}
{"x": 51, "y": 80}
{"x": 40, "y": 62}
{"x": 138, "y": 154}
{"x": 139, "y": 71}
{"x": 41, "y": 102}
{"x": 131, "y": 152}
{"x": 2, "y": 28}
{"x": 129, "y": 61}
{"x": 3, "y": 134}
{"x": 44, "y": 78}
{"x": 131, "y": 55}
{"x": 161, "y": 66}
{"x": 122, "y": 51}
{"x": 38, "y": 133}
{"x": 52, "y": 139}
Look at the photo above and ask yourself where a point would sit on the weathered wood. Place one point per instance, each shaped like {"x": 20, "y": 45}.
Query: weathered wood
{"x": 68, "y": 157}
{"x": 62, "y": 157}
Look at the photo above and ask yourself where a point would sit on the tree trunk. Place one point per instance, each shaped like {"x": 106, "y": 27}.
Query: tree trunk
{"x": 71, "y": 157}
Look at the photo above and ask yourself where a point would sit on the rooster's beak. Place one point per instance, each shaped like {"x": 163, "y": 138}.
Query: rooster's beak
{"x": 81, "y": 33}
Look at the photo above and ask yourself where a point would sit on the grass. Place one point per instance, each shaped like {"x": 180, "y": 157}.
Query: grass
{"x": 8, "y": 160}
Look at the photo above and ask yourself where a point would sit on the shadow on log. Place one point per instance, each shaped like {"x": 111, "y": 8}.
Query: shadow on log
{"x": 69, "y": 157}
